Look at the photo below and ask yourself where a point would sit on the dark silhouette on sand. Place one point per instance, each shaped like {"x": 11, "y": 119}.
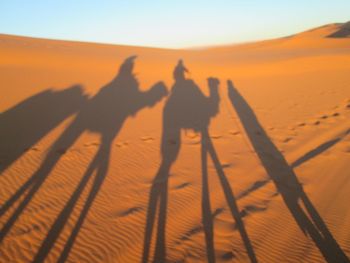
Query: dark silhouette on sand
{"x": 286, "y": 181}
{"x": 105, "y": 113}
{"x": 318, "y": 150}
{"x": 23, "y": 125}
{"x": 187, "y": 108}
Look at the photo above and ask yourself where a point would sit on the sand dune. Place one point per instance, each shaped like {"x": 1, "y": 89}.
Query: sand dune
{"x": 124, "y": 154}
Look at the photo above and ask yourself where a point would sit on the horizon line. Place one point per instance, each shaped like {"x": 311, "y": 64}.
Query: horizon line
{"x": 195, "y": 47}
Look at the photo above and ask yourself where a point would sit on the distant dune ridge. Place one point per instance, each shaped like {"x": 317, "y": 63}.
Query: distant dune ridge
{"x": 235, "y": 153}
{"x": 344, "y": 31}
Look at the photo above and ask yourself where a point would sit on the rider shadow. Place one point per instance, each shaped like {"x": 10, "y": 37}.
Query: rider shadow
{"x": 188, "y": 108}
{"x": 105, "y": 113}
{"x": 22, "y": 126}
{"x": 286, "y": 181}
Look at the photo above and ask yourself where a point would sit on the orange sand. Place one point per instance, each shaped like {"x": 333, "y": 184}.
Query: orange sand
{"x": 86, "y": 177}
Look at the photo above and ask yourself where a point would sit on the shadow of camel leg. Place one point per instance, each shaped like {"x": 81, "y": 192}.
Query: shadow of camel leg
{"x": 171, "y": 141}
{"x": 206, "y": 209}
{"x": 156, "y": 195}
{"x": 310, "y": 229}
{"x": 318, "y": 231}
{"x": 102, "y": 170}
{"x": 33, "y": 184}
{"x": 160, "y": 250}
{"x": 230, "y": 198}
{"x": 17, "y": 195}
{"x": 66, "y": 212}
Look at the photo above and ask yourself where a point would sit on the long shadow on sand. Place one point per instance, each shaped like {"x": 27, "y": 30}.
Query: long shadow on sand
{"x": 286, "y": 181}
{"x": 22, "y": 126}
{"x": 187, "y": 108}
{"x": 105, "y": 113}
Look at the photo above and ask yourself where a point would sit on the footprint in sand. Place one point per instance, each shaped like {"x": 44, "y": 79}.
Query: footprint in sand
{"x": 147, "y": 139}
{"x": 192, "y": 136}
{"x": 234, "y": 132}
{"x": 226, "y": 165}
{"x": 345, "y": 144}
{"x": 346, "y": 104}
{"x": 121, "y": 144}
{"x": 190, "y": 139}
{"x": 194, "y": 142}
{"x": 286, "y": 140}
{"x": 347, "y": 149}
{"x": 215, "y": 136}
{"x": 91, "y": 144}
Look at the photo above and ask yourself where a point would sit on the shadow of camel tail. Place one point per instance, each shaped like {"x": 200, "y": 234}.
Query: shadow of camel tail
{"x": 286, "y": 181}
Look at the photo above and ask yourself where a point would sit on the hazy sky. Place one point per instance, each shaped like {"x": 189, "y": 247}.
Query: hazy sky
{"x": 167, "y": 23}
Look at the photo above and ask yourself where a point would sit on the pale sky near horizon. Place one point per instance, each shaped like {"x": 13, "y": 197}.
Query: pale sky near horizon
{"x": 165, "y": 23}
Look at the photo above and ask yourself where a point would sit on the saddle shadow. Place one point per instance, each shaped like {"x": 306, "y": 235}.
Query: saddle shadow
{"x": 286, "y": 181}
{"x": 187, "y": 108}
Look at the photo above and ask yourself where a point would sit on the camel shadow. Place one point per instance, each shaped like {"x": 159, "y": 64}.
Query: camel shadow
{"x": 22, "y": 126}
{"x": 187, "y": 108}
{"x": 105, "y": 113}
{"x": 286, "y": 181}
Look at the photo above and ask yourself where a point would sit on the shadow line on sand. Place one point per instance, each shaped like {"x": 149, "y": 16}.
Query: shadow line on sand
{"x": 286, "y": 181}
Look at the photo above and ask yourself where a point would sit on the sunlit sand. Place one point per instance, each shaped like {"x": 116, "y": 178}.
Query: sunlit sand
{"x": 235, "y": 153}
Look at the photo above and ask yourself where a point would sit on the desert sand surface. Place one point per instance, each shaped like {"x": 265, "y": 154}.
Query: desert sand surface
{"x": 236, "y": 153}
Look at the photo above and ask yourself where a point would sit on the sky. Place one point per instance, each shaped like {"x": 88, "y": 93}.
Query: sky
{"x": 167, "y": 23}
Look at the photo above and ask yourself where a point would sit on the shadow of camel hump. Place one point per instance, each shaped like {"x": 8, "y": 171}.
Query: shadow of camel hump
{"x": 22, "y": 126}
{"x": 286, "y": 181}
{"x": 105, "y": 113}
{"x": 187, "y": 108}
